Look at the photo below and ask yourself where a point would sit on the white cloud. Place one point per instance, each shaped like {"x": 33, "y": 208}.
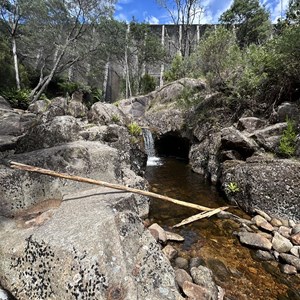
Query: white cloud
{"x": 278, "y": 10}
{"x": 118, "y": 7}
{"x": 122, "y": 17}
{"x": 152, "y": 20}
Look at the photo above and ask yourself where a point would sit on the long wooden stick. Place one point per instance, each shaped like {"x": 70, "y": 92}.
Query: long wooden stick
{"x": 29, "y": 168}
{"x": 200, "y": 216}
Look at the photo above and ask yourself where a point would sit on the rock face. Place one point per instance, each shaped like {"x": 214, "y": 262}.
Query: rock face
{"x": 105, "y": 113}
{"x": 59, "y": 130}
{"x": 138, "y": 106}
{"x": 268, "y": 184}
{"x": 60, "y": 240}
{"x": 20, "y": 189}
{"x": 204, "y": 154}
{"x": 72, "y": 256}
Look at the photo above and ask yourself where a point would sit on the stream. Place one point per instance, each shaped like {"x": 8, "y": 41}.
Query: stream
{"x": 213, "y": 239}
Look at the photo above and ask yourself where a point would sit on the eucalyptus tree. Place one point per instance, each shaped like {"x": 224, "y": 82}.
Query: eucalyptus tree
{"x": 251, "y": 20}
{"x": 13, "y": 13}
{"x": 293, "y": 12}
{"x": 183, "y": 13}
{"x": 58, "y": 34}
{"x": 145, "y": 49}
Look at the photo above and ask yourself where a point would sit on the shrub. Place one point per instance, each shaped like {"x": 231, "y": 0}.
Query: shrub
{"x": 218, "y": 58}
{"x": 287, "y": 146}
{"x": 176, "y": 70}
{"x": 147, "y": 84}
{"x": 17, "y": 98}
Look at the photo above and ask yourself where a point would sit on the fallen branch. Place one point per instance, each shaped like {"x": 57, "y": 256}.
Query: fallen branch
{"x": 19, "y": 166}
{"x": 200, "y": 216}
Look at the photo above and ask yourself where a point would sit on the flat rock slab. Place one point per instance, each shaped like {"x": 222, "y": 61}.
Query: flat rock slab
{"x": 255, "y": 240}
{"x": 93, "y": 247}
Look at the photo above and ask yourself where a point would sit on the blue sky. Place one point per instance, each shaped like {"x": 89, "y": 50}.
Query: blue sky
{"x": 149, "y": 11}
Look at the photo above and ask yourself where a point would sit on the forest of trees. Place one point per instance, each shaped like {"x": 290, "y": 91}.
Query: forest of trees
{"x": 52, "y": 47}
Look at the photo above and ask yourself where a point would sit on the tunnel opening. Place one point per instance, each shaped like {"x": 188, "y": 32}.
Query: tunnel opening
{"x": 172, "y": 145}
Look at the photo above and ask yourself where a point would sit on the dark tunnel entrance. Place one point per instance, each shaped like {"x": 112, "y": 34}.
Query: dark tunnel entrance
{"x": 171, "y": 144}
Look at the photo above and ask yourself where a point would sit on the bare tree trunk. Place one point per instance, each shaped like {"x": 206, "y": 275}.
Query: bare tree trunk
{"x": 39, "y": 89}
{"x": 16, "y": 65}
{"x": 127, "y": 77}
{"x": 105, "y": 82}
{"x": 162, "y": 67}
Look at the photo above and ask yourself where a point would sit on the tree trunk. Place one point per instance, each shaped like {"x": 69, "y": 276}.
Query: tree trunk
{"x": 16, "y": 65}
{"x": 162, "y": 67}
{"x": 42, "y": 85}
{"x": 105, "y": 82}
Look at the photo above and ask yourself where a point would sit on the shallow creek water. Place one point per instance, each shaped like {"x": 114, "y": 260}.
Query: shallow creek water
{"x": 212, "y": 239}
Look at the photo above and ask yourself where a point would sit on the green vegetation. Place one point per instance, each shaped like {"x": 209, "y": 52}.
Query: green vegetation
{"x": 147, "y": 84}
{"x": 288, "y": 139}
{"x": 115, "y": 119}
{"x": 17, "y": 98}
{"x": 232, "y": 187}
{"x": 252, "y": 20}
{"x": 134, "y": 129}
{"x": 176, "y": 70}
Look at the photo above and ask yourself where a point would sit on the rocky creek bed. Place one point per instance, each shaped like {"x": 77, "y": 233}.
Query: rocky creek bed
{"x": 246, "y": 260}
{"x": 64, "y": 240}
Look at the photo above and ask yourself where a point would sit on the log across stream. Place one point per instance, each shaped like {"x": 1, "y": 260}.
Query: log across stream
{"x": 213, "y": 239}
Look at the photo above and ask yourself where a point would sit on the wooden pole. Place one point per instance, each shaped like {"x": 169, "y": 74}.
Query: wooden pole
{"x": 19, "y": 166}
{"x": 200, "y": 216}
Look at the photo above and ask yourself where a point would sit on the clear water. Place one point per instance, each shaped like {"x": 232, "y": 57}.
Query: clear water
{"x": 212, "y": 239}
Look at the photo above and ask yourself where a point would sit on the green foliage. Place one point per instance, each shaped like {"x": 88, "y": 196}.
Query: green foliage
{"x": 278, "y": 67}
{"x": 147, "y": 84}
{"x": 97, "y": 95}
{"x": 288, "y": 139}
{"x": 253, "y": 24}
{"x": 176, "y": 70}
{"x": 17, "y": 98}
{"x": 188, "y": 98}
{"x": 115, "y": 119}
{"x": 218, "y": 58}
{"x": 293, "y": 12}
{"x": 134, "y": 129}
{"x": 68, "y": 87}
{"x": 232, "y": 187}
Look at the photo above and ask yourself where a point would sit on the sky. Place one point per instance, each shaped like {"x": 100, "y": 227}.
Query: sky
{"x": 149, "y": 11}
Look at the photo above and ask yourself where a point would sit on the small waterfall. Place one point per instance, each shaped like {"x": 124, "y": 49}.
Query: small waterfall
{"x": 153, "y": 160}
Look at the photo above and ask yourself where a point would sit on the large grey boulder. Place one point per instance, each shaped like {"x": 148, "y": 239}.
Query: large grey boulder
{"x": 20, "y": 190}
{"x": 105, "y": 114}
{"x": 289, "y": 111}
{"x": 233, "y": 139}
{"x": 39, "y": 106}
{"x": 93, "y": 246}
{"x": 53, "y": 132}
{"x": 57, "y": 107}
{"x": 15, "y": 122}
{"x": 250, "y": 124}
{"x": 166, "y": 120}
{"x": 204, "y": 156}
{"x": 269, "y": 137}
{"x": 161, "y": 99}
{"x": 271, "y": 185}
{"x": 76, "y": 108}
